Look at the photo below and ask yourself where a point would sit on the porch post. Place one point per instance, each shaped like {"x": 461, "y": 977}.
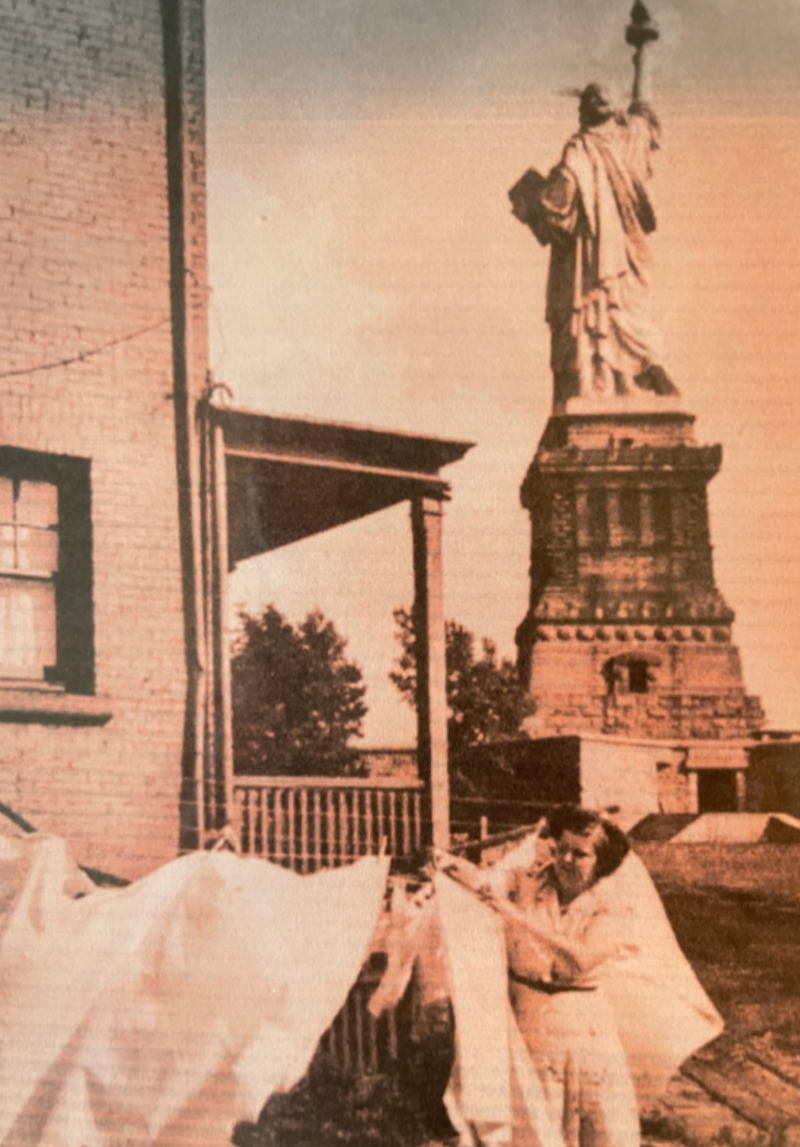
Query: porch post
{"x": 224, "y": 715}
{"x": 426, "y": 528}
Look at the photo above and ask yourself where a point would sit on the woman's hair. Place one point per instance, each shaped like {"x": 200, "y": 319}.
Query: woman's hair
{"x": 612, "y": 844}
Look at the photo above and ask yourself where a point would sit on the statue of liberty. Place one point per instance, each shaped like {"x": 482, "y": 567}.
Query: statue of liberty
{"x": 594, "y": 212}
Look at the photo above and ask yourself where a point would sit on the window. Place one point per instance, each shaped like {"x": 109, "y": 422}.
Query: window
{"x": 46, "y": 626}
{"x": 637, "y": 676}
{"x": 662, "y": 515}
{"x": 28, "y": 566}
{"x": 716, "y": 790}
{"x": 629, "y": 516}
{"x": 598, "y": 519}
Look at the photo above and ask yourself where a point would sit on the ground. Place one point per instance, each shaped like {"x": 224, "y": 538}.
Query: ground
{"x": 741, "y": 1091}
{"x": 743, "y": 944}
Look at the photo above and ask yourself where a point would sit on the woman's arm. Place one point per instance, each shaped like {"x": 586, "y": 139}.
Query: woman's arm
{"x": 486, "y": 882}
{"x": 572, "y": 958}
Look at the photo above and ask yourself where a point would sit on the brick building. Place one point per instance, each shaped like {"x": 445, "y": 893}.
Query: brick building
{"x": 116, "y": 469}
{"x": 103, "y": 348}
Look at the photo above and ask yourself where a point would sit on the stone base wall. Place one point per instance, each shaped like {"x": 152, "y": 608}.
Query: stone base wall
{"x": 626, "y": 632}
{"x": 661, "y": 717}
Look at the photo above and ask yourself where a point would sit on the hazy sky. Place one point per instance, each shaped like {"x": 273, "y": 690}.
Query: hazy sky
{"x": 365, "y": 268}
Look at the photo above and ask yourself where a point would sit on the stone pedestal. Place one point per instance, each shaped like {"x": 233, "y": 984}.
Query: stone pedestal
{"x": 626, "y": 632}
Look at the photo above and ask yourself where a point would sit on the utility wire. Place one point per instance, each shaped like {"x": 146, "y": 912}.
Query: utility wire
{"x": 84, "y": 354}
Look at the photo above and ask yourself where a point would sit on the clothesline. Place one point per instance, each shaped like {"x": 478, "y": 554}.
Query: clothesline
{"x": 494, "y": 840}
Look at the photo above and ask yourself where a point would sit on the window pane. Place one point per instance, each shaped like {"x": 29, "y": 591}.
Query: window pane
{"x": 6, "y": 500}
{"x": 27, "y": 628}
{"x": 37, "y": 550}
{"x": 37, "y": 504}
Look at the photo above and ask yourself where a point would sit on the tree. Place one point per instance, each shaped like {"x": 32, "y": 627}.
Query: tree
{"x": 297, "y": 700}
{"x": 484, "y": 695}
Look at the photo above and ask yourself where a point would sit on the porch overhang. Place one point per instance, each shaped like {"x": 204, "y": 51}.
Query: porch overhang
{"x": 290, "y": 478}
{"x": 267, "y": 481}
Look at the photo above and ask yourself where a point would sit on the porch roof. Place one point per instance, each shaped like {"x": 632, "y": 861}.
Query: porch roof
{"x": 289, "y": 478}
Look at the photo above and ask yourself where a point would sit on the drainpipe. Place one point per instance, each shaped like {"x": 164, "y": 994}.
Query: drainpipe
{"x": 183, "y": 45}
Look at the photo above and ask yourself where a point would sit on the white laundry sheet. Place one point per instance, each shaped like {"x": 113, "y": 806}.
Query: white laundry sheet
{"x": 164, "y": 1012}
{"x": 494, "y": 1097}
{"x": 646, "y": 1014}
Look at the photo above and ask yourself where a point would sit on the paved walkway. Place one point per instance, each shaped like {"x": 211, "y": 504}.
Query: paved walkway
{"x": 741, "y": 1094}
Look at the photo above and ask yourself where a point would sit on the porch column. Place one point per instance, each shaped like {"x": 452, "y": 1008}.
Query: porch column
{"x": 426, "y": 527}
{"x": 222, "y": 651}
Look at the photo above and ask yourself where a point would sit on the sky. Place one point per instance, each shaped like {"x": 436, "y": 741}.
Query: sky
{"x": 365, "y": 268}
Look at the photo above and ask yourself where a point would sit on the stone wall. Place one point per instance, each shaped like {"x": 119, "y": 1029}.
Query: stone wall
{"x": 626, "y": 632}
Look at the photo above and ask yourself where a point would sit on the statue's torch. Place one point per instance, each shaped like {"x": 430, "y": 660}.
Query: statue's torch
{"x": 640, "y": 32}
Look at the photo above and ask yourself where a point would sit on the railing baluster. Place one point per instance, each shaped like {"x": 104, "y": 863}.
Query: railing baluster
{"x": 369, "y": 797}
{"x": 379, "y": 801}
{"x": 392, "y": 823}
{"x": 317, "y": 816}
{"x": 406, "y": 846}
{"x": 280, "y": 844}
{"x": 331, "y": 820}
{"x": 305, "y": 850}
{"x": 343, "y": 833}
{"x": 358, "y": 817}
{"x": 291, "y": 800}
{"x": 259, "y": 840}
{"x": 242, "y": 821}
{"x": 271, "y": 827}
{"x": 417, "y": 822}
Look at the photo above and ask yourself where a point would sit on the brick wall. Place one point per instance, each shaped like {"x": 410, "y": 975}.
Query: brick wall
{"x": 84, "y": 276}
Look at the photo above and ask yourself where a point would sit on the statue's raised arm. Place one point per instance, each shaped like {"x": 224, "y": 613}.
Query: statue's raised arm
{"x": 594, "y": 212}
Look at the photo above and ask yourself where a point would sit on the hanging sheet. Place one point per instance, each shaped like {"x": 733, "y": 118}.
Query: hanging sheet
{"x": 164, "y": 1012}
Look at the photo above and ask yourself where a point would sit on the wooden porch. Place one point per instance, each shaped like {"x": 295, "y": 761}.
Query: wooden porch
{"x": 267, "y": 482}
{"x": 309, "y": 823}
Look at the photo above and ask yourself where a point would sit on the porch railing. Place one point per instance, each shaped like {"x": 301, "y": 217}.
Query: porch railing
{"x": 308, "y": 823}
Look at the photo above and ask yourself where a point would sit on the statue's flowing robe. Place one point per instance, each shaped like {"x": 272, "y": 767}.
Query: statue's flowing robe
{"x": 595, "y": 213}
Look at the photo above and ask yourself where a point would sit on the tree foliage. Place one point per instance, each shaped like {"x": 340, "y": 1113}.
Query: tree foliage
{"x": 297, "y": 700}
{"x": 484, "y": 696}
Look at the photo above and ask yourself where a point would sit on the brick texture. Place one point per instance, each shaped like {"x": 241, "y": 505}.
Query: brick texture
{"x": 84, "y": 276}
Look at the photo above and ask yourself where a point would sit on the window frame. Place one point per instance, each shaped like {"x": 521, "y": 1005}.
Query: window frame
{"x": 74, "y": 670}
